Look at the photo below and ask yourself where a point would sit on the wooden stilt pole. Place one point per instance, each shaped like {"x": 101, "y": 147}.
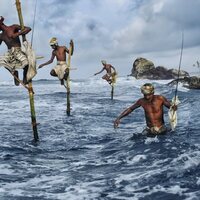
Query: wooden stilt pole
{"x": 71, "y": 49}
{"x": 31, "y": 93}
{"x": 112, "y": 91}
{"x": 33, "y": 116}
{"x": 114, "y": 75}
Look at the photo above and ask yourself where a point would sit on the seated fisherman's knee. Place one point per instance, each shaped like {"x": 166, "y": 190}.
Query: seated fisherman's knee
{"x": 53, "y": 73}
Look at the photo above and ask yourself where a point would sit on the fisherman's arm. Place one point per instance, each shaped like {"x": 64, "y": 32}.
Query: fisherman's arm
{"x": 113, "y": 68}
{"x": 48, "y": 62}
{"x": 168, "y": 104}
{"x": 1, "y": 19}
{"x": 20, "y": 31}
{"x": 67, "y": 50}
{"x": 99, "y": 72}
{"x": 126, "y": 112}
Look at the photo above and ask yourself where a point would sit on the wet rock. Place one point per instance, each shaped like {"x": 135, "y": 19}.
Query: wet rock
{"x": 192, "y": 82}
{"x": 145, "y": 69}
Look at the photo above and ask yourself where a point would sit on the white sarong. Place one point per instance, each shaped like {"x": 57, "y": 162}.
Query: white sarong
{"x": 60, "y": 69}
{"x": 18, "y": 58}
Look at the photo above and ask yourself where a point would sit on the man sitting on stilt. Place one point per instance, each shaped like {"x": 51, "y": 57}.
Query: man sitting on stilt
{"x": 61, "y": 70}
{"x": 15, "y": 58}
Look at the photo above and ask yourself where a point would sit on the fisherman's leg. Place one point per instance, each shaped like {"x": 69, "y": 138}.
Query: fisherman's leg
{"x": 66, "y": 74}
{"x": 22, "y": 60}
{"x": 110, "y": 80}
{"x": 62, "y": 81}
{"x": 16, "y": 74}
{"x": 25, "y": 70}
{"x": 107, "y": 78}
{"x": 53, "y": 73}
{"x": 104, "y": 77}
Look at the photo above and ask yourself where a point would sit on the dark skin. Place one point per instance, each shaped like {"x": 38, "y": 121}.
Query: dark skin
{"x": 60, "y": 53}
{"x": 10, "y": 36}
{"x": 108, "y": 68}
{"x": 153, "y": 109}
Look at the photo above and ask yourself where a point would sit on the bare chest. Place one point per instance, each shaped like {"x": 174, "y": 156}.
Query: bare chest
{"x": 60, "y": 54}
{"x": 152, "y": 107}
{"x": 9, "y": 39}
{"x": 108, "y": 68}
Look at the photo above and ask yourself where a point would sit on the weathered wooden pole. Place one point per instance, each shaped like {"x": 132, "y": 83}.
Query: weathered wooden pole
{"x": 114, "y": 75}
{"x": 71, "y": 49}
{"x": 112, "y": 92}
{"x": 30, "y": 90}
{"x": 33, "y": 115}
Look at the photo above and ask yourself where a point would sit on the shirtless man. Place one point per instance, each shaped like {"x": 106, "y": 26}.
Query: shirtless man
{"x": 61, "y": 70}
{"x": 10, "y": 36}
{"x": 109, "y": 73}
{"x": 153, "y": 108}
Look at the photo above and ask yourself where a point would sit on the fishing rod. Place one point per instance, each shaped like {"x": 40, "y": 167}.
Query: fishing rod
{"x": 175, "y": 101}
{"x": 179, "y": 67}
{"x": 34, "y": 22}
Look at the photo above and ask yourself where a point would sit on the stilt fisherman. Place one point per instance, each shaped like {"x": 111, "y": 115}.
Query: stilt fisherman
{"x": 15, "y": 58}
{"x": 110, "y": 72}
{"x": 61, "y": 70}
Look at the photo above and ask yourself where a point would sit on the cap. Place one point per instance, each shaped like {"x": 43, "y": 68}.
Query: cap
{"x": 53, "y": 41}
{"x": 147, "y": 88}
{"x": 103, "y": 62}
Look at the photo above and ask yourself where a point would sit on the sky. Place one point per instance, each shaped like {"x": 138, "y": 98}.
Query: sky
{"x": 118, "y": 31}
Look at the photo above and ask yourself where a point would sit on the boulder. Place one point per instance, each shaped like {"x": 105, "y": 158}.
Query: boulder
{"x": 145, "y": 69}
{"x": 141, "y": 66}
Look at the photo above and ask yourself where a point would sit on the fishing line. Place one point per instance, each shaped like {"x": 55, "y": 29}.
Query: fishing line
{"x": 34, "y": 22}
{"x": 179, "y": 68}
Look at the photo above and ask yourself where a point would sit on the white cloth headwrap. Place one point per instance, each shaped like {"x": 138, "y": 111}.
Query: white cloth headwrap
{"x": 147, "y": 89}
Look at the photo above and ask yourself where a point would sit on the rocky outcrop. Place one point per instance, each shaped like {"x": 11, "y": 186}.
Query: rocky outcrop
{"x": 145, "y": 69}
{"x": 140, "y": 66}
{"x": 192, "y": 82}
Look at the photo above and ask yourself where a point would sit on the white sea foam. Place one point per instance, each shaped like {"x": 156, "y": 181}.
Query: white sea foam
{"x": 85, "y": 190}
{"x": 187, "y": 160}
{"x": 133, "y": 188}
{"x": 174, "y": 189}
{"x": 82, "y": 156}
{"x": 136, "y": 159}
{"x": 6, "y": 169}
{"x": 198, "y": 180}
{"x": 6, "y": 83}
{"x": 150, "y": 140}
